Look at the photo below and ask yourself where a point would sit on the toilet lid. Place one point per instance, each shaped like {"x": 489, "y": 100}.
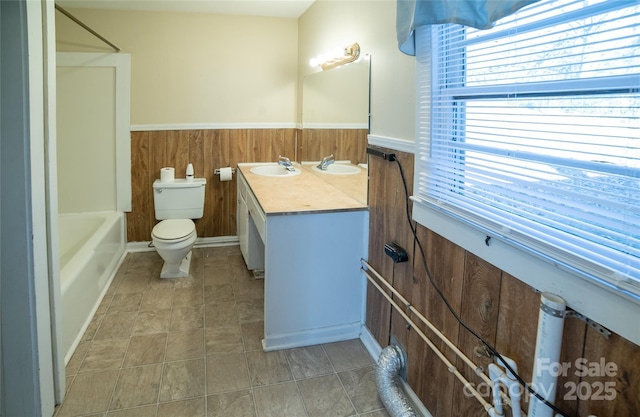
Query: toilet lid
{"x": 171, "y": 229}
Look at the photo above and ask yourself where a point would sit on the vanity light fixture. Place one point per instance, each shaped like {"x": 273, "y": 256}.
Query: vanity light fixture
{"x": 335, "y": 59}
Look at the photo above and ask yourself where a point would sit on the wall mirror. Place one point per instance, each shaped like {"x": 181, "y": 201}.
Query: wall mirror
{"x": 335, "y": 121}
{"x": 337, "y": 98}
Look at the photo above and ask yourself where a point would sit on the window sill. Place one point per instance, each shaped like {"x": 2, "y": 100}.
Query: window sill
{"x": 615, "y": 311}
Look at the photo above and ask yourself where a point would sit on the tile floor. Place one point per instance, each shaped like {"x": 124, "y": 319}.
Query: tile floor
{"x": 191, "y": 347}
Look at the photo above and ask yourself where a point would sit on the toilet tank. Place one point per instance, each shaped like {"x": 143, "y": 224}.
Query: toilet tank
{"x": 179, "y": 199}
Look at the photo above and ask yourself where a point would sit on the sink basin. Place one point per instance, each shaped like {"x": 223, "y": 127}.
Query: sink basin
{"x": 338, "y": 169}
{"x": 274, "y": 171}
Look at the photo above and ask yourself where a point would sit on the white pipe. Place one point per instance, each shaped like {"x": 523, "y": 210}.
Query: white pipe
{"x": 513, "y": 386}
{"x": 502, "y": 375}
{"x": 547, "y": 354}
{"x": 494, "y": 374}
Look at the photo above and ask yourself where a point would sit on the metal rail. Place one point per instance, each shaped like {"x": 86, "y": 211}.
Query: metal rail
{"x": 85, "y": 27}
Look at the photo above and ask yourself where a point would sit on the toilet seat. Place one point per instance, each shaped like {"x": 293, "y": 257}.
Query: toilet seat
{"x": 173, "y": 230}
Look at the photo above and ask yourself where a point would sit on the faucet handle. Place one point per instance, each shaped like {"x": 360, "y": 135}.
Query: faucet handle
{"x": 284, "y": 159}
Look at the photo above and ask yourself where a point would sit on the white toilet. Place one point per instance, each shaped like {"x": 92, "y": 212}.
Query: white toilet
{"x": 176, "y": 203}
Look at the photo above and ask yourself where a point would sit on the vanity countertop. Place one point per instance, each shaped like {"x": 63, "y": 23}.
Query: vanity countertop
{"x": 306, "y": 192}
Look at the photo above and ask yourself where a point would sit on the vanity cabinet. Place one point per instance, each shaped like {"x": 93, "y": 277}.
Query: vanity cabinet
{"x": 247, "y": 213}
{"x": 314, "y": 291}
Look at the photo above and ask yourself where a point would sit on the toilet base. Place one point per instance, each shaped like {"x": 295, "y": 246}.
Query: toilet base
{"x": 177, "y": 270}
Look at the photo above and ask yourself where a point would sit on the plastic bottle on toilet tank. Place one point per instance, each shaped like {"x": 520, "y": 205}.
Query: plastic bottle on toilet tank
{"x": 190, "y": 173}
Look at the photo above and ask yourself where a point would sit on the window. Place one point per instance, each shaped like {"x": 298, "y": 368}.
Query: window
{"x": 531, "y": 131}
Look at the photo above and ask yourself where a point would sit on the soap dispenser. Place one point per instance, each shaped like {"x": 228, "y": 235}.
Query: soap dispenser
{"x": 190, "y": 173}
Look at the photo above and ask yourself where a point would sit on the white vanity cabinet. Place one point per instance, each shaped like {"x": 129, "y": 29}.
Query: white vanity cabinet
{"x": 251, "y": 241}
{"x": 314, "y": 291}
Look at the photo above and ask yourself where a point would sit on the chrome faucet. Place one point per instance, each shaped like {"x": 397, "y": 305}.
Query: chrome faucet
{"x": 326, "y": 161}
{"x": 286, "y": 163}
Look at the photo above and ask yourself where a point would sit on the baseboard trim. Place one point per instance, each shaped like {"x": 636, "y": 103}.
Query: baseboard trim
{"x": 201, "y": 242}
{"x": 311, "y": 337}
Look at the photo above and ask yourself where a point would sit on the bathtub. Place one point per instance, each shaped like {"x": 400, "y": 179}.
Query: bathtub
{"x": 92, "y": 246}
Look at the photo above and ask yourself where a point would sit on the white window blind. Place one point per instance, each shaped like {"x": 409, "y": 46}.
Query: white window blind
{"x": 531, "y": 131}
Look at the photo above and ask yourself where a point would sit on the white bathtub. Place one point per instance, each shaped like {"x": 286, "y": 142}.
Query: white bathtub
{"x": 92, "y": 246}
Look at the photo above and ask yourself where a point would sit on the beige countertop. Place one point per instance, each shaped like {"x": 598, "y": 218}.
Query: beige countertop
{"x": 306, "y": 192}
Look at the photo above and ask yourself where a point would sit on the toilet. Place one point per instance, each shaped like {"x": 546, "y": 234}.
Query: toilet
{"x": 176, "y": 204}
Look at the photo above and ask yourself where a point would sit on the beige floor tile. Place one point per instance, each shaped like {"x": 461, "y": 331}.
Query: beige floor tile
{"x": 89, "y": 393}
{"x": 217, "y": 275}
{"x": 92, "y": 329}
{"x": 221, "y": 314}
{"x": 160, "y": 351}
{"x": 137, "y": 386}
{"x": 267, "y": 368}
{"x": 324, "y": 396}
{"x": 218, "y": 293}
{"x": 349, "y": 354}
{"x": 278, "y": 401}
{"x": 76, "y": 359}
{"x": 309, "y": 361}
{"x": 252, "y": 335}
{"x": 250, "y": 311}
{"x": 187, "y": 297}
{"x": 116, "y": 326}
{"x": 360, "y": 385}
{"x": 183, "y": 379}
{"x": 216, "y": 262}
{"x": 194, "y": 407}
{"x": 227, "y": 373}
{"x": 240, "y": 273}
{"x": 195, "y": 279}
{"x": 186, "y": 344}
{"x": 144, "y": 411}
{"x": 377, "y": 413}
{"x": 246, "y": 289}
{"x": 68, "y": 380}
{"x": 133, "y": 282}
{"x": 106, "y": 300}
{"x": 231, "y": 404}
{"x": 235, "y": 259}
{"x": 157, "y": 299}
{"x": 145, "y": 350}
{"x": 125, "y": 302}
{"x": 157, "y": 283}
{"x": 152, "y": 322}
{"x": 104, "y": 354}
{"x": 223, "y": 340}
{"x": 187, "y": 318}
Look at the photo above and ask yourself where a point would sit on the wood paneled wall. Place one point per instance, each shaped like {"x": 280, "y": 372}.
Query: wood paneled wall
{"x": 210, "y": 149}
{"x": 344, "y": 144}
{"x": 207, "y": 150}
{"x": 498, "y": 306}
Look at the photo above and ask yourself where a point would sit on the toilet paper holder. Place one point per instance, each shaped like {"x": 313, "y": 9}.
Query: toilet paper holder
{"x": 217, "y": 171}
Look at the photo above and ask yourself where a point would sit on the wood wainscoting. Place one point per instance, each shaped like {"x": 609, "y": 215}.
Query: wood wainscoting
{"x": 209, "y": 149}
{"x": 344, "y": 144}
{"x": 498, "y": 306}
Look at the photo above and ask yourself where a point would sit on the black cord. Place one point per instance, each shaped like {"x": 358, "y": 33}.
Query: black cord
{"x": 492, "y": 349}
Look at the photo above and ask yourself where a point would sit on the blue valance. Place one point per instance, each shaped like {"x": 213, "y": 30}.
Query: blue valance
{"x": 480, "y": 14}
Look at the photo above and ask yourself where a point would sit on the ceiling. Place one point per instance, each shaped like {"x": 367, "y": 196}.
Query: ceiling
{"x": 274, "y": 8}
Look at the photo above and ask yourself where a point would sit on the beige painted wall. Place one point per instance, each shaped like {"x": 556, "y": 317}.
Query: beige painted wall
{"x": 190, "y": 68}
{"x": 329, "y": 24}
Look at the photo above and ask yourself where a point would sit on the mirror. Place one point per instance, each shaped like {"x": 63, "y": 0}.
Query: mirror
{"x": 337, "y": 98}
{"x": 335, "y": 120}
